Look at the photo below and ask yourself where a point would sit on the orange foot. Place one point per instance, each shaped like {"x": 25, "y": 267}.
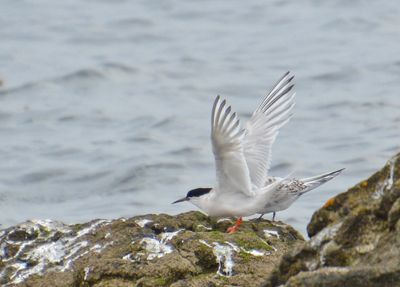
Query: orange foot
{"x": 235, "y": 228}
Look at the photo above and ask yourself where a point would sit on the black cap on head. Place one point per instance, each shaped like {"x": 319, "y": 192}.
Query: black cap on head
{"x": 194, "y": 193}
{"x": 198, "y": 192}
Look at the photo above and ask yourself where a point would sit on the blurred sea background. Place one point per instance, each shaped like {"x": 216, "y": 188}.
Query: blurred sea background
{"x": 105, "y": 105}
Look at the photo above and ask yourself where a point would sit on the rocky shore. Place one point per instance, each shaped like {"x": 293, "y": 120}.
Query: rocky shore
{"x": 355, "y": 238}
{"x": 151, "y": 250}
{"x": 355, "y": 241}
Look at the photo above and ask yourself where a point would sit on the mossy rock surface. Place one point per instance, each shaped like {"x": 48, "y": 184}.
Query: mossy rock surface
{"x": 188, "y": 249}
{"x": 355, "y": 238}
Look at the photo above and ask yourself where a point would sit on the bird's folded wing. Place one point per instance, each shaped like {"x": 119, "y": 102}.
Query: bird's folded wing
{"x": 263, "y": 127}
{"x": 226, "y": 136}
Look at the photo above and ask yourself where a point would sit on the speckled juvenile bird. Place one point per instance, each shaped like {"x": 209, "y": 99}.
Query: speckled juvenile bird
{"x": 242, "y": 159}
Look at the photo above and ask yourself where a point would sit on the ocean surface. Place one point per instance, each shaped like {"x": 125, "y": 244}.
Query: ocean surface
{"x": 105, "y": 105}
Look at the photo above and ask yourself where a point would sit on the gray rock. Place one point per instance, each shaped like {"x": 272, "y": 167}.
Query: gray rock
{"x": 354, "y": 238}
{"x": 189, "y": 249}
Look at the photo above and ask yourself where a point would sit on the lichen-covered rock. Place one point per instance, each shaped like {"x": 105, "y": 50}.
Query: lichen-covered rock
{"x": 189, "y": 249}
{"x": 355, "y": 238}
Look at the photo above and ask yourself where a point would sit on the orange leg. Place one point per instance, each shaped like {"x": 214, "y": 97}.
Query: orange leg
{"x": 234, "y": 228}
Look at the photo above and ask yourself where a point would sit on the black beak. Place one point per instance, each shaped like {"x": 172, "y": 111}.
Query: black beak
{"x": 181, "y": 200}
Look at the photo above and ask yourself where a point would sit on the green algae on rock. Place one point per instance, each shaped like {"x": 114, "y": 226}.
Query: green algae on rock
{"x": 354, "y": 238}
{"x": 188, "y": 249}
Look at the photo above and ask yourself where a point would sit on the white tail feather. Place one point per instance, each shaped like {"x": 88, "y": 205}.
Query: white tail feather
{"x": 315, "y": 181}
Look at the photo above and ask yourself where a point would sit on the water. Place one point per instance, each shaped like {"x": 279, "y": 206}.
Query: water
{"x": 105, "y": 105}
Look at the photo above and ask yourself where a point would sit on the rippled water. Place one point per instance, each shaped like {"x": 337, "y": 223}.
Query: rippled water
{"x": 105, "y": 105}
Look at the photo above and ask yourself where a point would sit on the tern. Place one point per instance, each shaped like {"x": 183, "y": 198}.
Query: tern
{"x": 243, "y": 158}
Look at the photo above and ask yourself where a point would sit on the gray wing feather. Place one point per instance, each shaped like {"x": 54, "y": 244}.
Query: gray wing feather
{"x": 263, "y": 128}
{"x": 226, "y": 137}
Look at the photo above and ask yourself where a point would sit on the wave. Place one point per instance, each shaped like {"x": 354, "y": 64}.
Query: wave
{"x": 42, "y": 175}
{"x": 105, "y": 71}
{"x": 345, "y": 75}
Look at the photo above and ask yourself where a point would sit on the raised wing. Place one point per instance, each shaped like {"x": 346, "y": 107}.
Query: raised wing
{"x": 226, "y": 136}
{"x": 263, "y": 127}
